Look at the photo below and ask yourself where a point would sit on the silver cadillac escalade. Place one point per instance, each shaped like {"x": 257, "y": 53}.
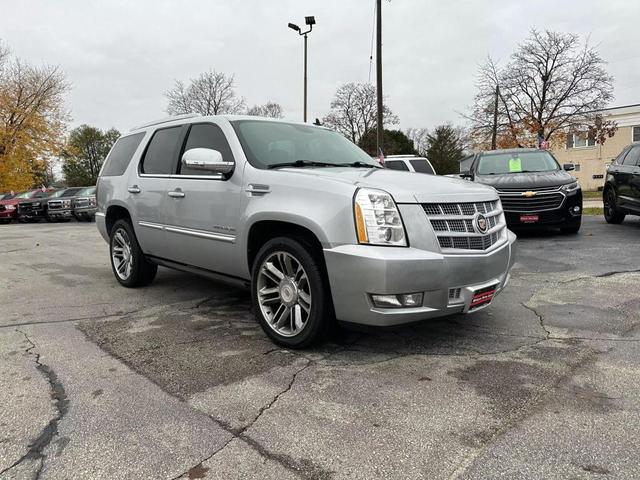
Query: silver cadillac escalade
{"x": 309, "y": 222}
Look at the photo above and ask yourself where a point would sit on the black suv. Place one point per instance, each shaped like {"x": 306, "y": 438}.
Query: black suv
{"x": 621, "y": 192}
{"x": 535, "y": 191}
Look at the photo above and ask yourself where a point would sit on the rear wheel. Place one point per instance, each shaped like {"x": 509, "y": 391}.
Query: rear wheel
{"x": 290, "y": 296}
{"x": 611, "y": 212}
{"x": 130, "y": 267}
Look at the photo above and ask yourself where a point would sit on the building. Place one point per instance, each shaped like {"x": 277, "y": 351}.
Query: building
{"x": 591, "y": 160}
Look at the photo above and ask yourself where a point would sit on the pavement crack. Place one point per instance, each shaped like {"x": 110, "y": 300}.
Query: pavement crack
{"x": 61, "y": 403}
{"x": 540, "y": 319}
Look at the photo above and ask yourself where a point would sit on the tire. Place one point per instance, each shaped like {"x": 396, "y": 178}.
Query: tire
{"x": 135, "y": 269}
{"x": 611, "y": 212}
{"x": 293, "y": 303}
{"x": 572, "y": 229}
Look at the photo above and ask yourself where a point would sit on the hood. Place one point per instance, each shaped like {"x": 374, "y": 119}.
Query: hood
{"x": 404, "y": 187}
{"x": 527, "y": 181}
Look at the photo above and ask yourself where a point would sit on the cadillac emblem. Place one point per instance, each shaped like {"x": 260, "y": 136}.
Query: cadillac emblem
{"x": 528, "y": 194}
{"x": 481, "y": 224}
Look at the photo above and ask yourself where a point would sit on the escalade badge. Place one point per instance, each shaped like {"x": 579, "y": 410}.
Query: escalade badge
{"x": 528, "y": 194}
{"x": 481, "y": 223}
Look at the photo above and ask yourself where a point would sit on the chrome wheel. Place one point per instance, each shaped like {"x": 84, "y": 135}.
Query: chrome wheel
{"x": 121, "y": 254}
{"x": 284, "y": 294}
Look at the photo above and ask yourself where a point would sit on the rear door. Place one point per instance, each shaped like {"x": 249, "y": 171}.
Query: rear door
{"x": 624, "y": 177}
{"x": 633, "y": 161}
{"x": 202, "y": 208}
{"x": 147, "y": 189}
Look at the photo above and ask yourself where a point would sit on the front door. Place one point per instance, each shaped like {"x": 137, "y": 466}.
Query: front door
{"x": 202, "y": 208}
{"x": 625, "y": 175}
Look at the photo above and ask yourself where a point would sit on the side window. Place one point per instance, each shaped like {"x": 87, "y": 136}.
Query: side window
{"x": 206, "y": 135}
{"x": 422, "y": 166}
{"x": 118, "y": 159}
{"x": 161, "y": 152}
{"x": 633, "y": 157}
{"x": 396, "y": 165}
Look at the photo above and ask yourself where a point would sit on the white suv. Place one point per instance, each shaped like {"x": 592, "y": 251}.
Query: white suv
{"x": 409, "y": 163}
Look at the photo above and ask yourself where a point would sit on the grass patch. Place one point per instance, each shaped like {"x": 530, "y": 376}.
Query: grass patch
{"x": 593, "y": 211}
{"x": 592, "y": 195}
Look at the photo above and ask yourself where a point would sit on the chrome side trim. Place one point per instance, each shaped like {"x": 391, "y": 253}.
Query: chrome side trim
{"x": 182, "y": 177}
{"x": 221, "y": 237}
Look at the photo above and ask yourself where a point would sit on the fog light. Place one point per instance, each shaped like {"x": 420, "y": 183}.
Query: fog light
{"x": 397, "y": 301}
{"x": 576, "y": 209}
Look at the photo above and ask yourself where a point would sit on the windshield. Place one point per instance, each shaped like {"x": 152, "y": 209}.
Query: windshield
{"x": 87, "y": 191}
{"x": 271, "y": 143}
{"x": 7, "y": 196}
{"x": 516, "y": 162}
{"x": 28, "y": 194}
{"x": 70, "y": 192}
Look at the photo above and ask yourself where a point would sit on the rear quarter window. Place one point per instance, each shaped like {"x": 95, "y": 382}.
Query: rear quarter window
{"x": 120, "y": 155}
{"x": 422, "y": 166}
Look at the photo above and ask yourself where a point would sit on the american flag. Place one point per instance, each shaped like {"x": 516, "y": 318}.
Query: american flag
{"x": 380, "y": 156}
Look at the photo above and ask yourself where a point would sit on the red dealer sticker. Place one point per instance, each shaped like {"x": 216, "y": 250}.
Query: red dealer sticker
{"x": 529, "y": 218}
{"x": 482, "y": 297}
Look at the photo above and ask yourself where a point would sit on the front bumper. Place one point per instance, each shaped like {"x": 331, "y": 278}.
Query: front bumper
{"x": 358, "y": 271}
{"x": 8, "y": 214}
{"x": 60, "y": 214}
{"x": 85, "y": 211}
{"x": 564, "y": 215}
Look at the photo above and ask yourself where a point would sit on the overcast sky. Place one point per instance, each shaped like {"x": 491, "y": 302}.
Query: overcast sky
{"x": 121, "y": 56}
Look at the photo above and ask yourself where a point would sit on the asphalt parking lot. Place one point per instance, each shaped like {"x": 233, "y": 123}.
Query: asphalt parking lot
{"x": 176, "y": 380}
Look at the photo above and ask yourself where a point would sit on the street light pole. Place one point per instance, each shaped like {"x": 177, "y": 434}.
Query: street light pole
{"x": 310, "y": 21}
{"x": 380, "y": 137}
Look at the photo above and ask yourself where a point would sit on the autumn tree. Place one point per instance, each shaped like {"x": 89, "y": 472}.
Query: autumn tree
{"x": 84, "y": 154}
{"x": 211, "y": 93}
{"x": 553, "y": 82}
{"x": 445, "y": 149}
{"x": 32, "y": 121}
{"x": 269, "y": 109}
{"x": 353, "y": 111}
{"x": 395, "y": 142}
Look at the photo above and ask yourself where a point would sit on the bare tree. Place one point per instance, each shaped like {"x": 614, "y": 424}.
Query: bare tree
{"x": 269, "y": 109}
{"x": 211, "y": 93}
{"x": 552, "y": 82}
{"x": 419, "y": 138}
{"x": 353, "y": 111}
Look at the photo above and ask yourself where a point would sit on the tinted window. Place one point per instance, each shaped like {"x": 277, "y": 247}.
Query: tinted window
{"x": 206, "y": 135}
{"x": 422, "y": 166}
{"x": 70, "y": 192}
{"x": 159, "y": 159}
{"x": 636, "y": 134}
{"x": 120, "y": 155}
{"x": 633, "y": 157}
{"x": 396, "y": 165}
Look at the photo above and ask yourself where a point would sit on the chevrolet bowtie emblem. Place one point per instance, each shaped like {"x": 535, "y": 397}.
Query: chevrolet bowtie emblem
{"x": 528, "y": 194}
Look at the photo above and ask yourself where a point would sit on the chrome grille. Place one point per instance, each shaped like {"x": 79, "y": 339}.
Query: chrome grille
{"x": 554, "y": 188}
{"x": 537, "y": 203}
{"x": 453, "y": 224}
{"x": 55, "y": 204}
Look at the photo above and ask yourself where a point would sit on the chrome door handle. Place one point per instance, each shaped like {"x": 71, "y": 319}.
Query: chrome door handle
{"x": 176, "y": 194}
{"x": 134, "y": 189}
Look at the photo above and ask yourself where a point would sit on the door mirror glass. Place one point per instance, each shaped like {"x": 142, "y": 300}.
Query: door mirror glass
{"x": 206, "y": 159}
{"x": 466, "y": 175}
{"x": 569, "y": 166}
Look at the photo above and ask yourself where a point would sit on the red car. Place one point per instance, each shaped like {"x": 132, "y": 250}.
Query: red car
{"x": 9, "y": 204}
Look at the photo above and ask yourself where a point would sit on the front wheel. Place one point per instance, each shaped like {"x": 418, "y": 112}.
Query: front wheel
{"x": 290, "y": 296}
{"x": 611, "y": 213}
{"x": 130, "y": 266}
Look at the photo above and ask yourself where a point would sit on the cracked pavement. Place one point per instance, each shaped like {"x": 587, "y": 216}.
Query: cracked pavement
{"x": 177, "y": 381}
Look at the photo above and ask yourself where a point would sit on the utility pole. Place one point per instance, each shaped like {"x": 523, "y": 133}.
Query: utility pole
{"x": 380, "y": 138}
{"x": 494, "y": 132}
{"x": 310, "y": 22}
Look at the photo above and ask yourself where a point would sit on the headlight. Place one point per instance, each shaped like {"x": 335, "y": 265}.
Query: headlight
{"x": 378, "y": 221}
{"x": 10, "y": 207}
{"x": 66, "y": 203}
{"x": 571, "y": 187}
{"x": 35, "y": 204}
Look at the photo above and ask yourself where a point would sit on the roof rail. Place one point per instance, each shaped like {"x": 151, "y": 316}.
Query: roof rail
{"x": 165, "y": 120}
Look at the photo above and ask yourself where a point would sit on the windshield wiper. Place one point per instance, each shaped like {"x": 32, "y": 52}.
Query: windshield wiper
{"x": 359, "y": 164}
{"x": 302, "y": 163}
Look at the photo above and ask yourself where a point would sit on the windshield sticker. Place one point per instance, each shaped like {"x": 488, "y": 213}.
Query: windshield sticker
{"x": 515, "y": 165}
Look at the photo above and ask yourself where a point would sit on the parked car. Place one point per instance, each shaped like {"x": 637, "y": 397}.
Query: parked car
{"x": 7, "y": 196}
{"x": 409, "y": 163}
{"x": 59, "y": 208}
{"x": 9, "y": 207}
{"x": 534, "y": 189}
{"x": 84, "y": 204}
{"x": 304, "y": 218}
{"x": 35, "y": 209}
{"x": 621, "y": 193}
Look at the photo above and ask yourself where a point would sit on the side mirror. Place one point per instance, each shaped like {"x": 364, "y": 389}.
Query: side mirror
{"x": 466, "y": 175}
{"x": 569, "y": 166}
{"x": 206, "y": 159}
